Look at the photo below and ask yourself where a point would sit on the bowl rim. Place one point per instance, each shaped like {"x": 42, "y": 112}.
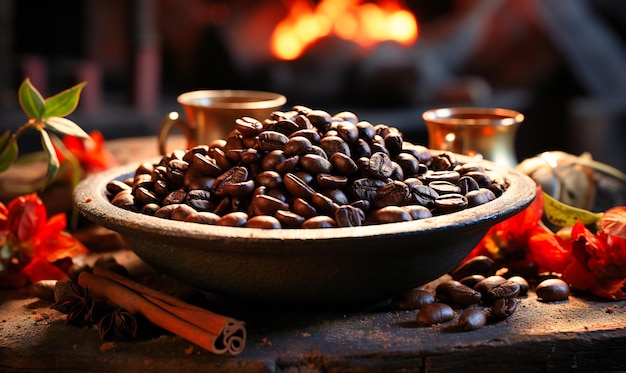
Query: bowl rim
{"x": 91, "y": 200}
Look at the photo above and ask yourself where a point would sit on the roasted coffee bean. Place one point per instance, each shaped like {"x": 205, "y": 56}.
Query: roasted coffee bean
{"x": 422, "y": 195}
{"x": 391, "y": 214}
{"x": 150, "y": 209}
{"x": 362, "y": 204}
{"x": 250, "y": 156}
{"x": 366, "y": 130}
{"x": 320, "y": 221}
{"x": 395, "y": 193}
{"x": 288, "y": 165}
{"x": 494, "y": 287}
{"x": 451, "y": 202}
{"x": 268, "y": 205}
{"x": 176, "y": 197}
{"x": 220, "y": 158}
{"x": 319, "y": 119}
{"x": 408, "y": 163}
{"x": 315, "y": 164}
{"x": 477, "y": 265}
{"x": 144, "y": 168}
{"x": 235, "y": 174}
{"x": 234, "y": 147}
{"x": 413, "y": 299}
{"x": 479, "y": 197}
{"x": 177, "y": 211}
{"x": 417, "y": 212}
{"x": 298, "y": 145}
{"x": 552, "y": 290}
{"x": 328, "y": 181}
{"x": 380, "y": 166}
{"x": 176, "y": 169}
{"x": 289, "y": 219}
{"x": 348, "y": 131}
{"x": 349, "y": 216}
{"x": 481, "y": 178}
{"x": 205, "y": 165}
{"x": 449, "y": 176}
{"x": 444, "y": 187}
{"x": 203, "y": 217}
{"x": 303, "y": 123}
{"x": 347, "y": 116}
{"x": 273, "y": 159}
{"x": 269, "y": 179}
{"x": 116, "y": 186}
{"x": 337, "y": 195}
{"x": 125, "y": 200}
{"x": 334, "y": 144}
{"x": 240, "y": 190}
{"x": 204, "y": 183}
{"x": 443, "y": 161}
{"x": 248, "y": 126}
{"x": 360, "y": 149}
{"x": 412, "y": 182}
{"x": 233, "y": 219}
{"x": 271, "y": 140}
{"x": 454, "y": 292}
{"x": 263, "y": 222}
{"x": 144, "y": 196}
{"x": 304, "y": 208}
{"x": 285, "y": 126}
{"x": 467, "y": 184}
{"x": 343, "y": 164}
{"x": 312, "y": 135}
{"x": 200, "y": 200}
{"x": 316, "y": 150}
{"x": 468, "y": 167}
{"x": 366, "y": 188}
{"x": 323, "y": 203}
{"x": 434, "y": 313}
{"x": 502, "y": 308}
{"x": 297, "y": 187}
{"x": 471, "y": 319}
{"x": 523, "y": 284}
{"x": 393, "y": 143}
{"x": 471, "y": 280}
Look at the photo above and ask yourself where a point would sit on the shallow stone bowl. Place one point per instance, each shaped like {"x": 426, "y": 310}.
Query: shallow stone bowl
{"x": 332, "y": 267}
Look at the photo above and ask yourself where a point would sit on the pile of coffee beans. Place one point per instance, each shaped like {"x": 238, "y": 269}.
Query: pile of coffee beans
{"x": 306, "y": 168}
{"x": 474, "y": 294}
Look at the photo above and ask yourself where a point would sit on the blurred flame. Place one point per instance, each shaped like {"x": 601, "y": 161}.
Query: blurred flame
{"x": 364, "y": 23}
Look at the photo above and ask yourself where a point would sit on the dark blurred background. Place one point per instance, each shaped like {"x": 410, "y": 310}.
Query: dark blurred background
{"x": 560, "y": 62}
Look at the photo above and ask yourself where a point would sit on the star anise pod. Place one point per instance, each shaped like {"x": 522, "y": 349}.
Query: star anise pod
{"x": 76, "y": 304}
{"x": 118, "y": 325}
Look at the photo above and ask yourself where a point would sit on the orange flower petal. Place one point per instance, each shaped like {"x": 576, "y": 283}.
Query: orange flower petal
{"x": 39, "y": 269}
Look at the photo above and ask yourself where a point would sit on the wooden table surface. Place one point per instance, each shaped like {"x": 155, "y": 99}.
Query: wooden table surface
{"x": 580, "y": 334}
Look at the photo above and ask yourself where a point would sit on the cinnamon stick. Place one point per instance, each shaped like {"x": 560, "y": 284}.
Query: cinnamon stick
{"x": 216, "y": 333}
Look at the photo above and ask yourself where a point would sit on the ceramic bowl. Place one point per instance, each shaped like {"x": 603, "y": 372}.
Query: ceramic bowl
{"x": 324, "y": 267}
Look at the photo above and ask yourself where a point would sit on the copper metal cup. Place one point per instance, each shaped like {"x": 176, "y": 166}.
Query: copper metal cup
{"x": 487, "y": 133}
{"x": 211, "y": 114}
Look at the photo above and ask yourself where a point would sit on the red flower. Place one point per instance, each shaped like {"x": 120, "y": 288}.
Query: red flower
{"x": 31, "y": 243}
{"x": 90, "y": 152}
{"x": 599, "y": 260}
{"x": 522, "y": 238}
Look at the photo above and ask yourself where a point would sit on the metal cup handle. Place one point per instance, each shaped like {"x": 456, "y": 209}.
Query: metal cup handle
{"x": 171, "y": 121}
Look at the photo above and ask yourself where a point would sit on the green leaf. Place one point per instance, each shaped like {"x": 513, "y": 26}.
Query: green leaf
{"x": 53, "y": 160}
{"x": 63, "y": 103}
{"x": 562, "y": 215}
{"x": 64, "y": 126}
{"x": 8, "y": 154}
{"x": 31, "y": 100}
